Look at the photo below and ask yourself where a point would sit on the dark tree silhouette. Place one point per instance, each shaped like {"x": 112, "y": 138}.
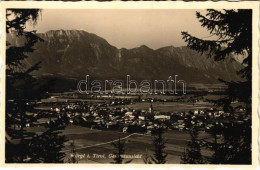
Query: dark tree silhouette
{"x": 47, "y": 146}
{"x": 233, "y": 29}
{"x": 19, "y": 84}
{"x": 159, "y": 156}
{"x": 120, "y": 146}
{"x": 192, "y": 153}
{"x": 217, "y": 147}
{"x": 146, "y": 157}
{"x": 22, "y": 90}
{"x": 72, "y": 158}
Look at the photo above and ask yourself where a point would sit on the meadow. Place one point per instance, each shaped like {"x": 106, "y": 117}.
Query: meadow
{"x": 89, "y": 142}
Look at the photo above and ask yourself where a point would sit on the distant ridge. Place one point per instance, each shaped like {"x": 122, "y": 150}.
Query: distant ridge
{"x": 75, "y": 53}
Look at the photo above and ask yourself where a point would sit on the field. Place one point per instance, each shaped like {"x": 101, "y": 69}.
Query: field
{"x": 169, "y": 106}
{"x": 89, "y": 142}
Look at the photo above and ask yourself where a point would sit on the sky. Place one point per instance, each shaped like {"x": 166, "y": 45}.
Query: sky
{"x": 126, "y": 28}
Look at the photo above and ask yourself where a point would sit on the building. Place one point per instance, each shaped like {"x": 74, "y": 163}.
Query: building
{"x": 196, "y": 112}
{"x": 128, "y": 113}
{"x": 162, "y": 117}
{"x": 125, "y": 129}
{"x": 141, "y": 117}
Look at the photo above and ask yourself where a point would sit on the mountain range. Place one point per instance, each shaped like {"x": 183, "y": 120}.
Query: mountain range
{"x": 73, "y": 54}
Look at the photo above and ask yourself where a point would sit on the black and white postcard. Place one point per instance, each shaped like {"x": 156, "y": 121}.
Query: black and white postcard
{"x": 144, "y": 83}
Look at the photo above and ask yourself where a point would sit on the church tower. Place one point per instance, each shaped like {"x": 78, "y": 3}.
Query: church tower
{"x": 151, "y": 108}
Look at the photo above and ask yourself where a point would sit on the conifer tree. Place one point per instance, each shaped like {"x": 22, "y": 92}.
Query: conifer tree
{"x": 214, "y": 144}
{"x": 120, "y": 146}
{"x": 159, "y": 156}
{"x": 233, "y": 30}
{"x": 146, "y": 157}
{"x": 22, "y": 90}
{"x": 72, "y": 158}
{"x": 192, "y": 153}
{"x": 20, "y": 84}
{"x": 47, "y": 147}
{"x": 120, "y": 150}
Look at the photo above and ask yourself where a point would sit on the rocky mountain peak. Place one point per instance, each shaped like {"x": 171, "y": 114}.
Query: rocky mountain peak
{"x": 76, "y": 53}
